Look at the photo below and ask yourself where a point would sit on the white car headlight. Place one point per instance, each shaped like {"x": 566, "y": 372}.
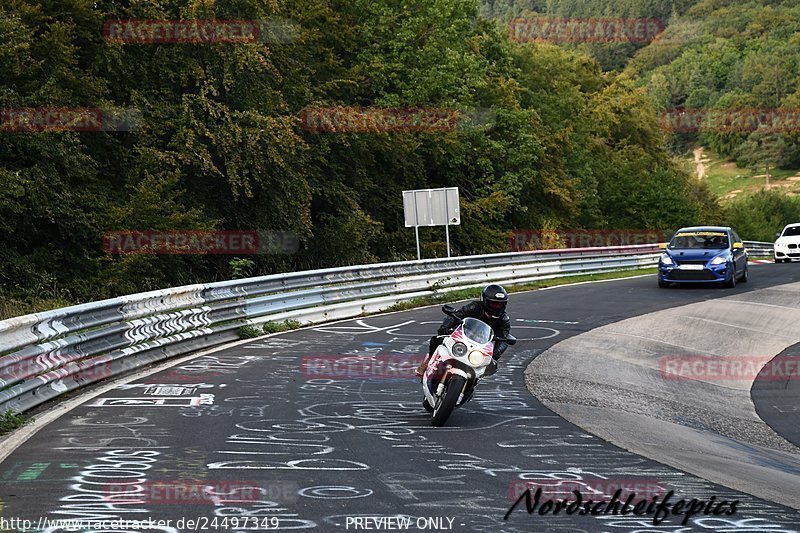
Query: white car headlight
{"x": 666, "y": 259}
{"x": 719, "y": 260}
{"x": 780, "y": 245}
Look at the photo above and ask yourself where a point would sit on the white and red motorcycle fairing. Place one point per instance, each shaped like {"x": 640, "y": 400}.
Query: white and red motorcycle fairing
{"x": 456, "y": 367}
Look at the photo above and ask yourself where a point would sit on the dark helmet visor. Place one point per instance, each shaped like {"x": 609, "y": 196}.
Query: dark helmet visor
{"x": 495, "y": 306}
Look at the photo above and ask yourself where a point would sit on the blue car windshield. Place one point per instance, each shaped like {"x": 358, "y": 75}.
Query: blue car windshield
{"x": 699, "y": 240}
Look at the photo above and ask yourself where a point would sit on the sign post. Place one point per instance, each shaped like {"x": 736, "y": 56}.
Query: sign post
{"x": 432, "y": 207}
{"x": 447, "y": 224}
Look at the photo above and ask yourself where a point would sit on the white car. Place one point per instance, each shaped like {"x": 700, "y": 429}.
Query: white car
{"x": 787, "y": 247}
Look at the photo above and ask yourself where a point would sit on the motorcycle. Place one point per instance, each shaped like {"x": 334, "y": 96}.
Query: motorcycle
{"x": 457, "y": 365}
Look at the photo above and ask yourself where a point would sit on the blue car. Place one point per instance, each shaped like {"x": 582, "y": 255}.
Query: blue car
{"x": 707, "y": 254}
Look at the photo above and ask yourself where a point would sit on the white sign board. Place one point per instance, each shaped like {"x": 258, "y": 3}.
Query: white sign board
{"x": 431, "y": 207}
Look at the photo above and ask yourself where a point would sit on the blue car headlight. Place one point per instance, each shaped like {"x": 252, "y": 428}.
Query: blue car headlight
{"x": 719, "y": 260}
{"x": 666, "y": 260}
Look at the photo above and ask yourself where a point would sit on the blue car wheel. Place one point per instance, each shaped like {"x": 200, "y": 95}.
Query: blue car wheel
{"x": 731, "y": 283}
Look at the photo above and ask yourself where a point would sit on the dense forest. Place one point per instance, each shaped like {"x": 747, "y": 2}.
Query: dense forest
{"x": 744, "y": 55}
{"x": 713, "y": 54}
{"x": 610, "y": 55}
{"x": 727, "y": 58}
{"x": 221, "y": 143}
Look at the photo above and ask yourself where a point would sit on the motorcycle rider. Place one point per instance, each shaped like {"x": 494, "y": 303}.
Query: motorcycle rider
{"x": 491, "y": 309}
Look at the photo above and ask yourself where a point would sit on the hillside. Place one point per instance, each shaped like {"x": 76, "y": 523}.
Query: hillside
{"x": 723, "y": 78}
{"x": 233, "y": 136}
{"x": 712, "y": 55}
{"x": 613, "y": 55}
{"x": 728, "y": 181}
{"x": 739, "y": 63}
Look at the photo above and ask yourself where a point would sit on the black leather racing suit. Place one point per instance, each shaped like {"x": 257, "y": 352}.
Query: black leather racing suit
{"x": 501, "y": 327}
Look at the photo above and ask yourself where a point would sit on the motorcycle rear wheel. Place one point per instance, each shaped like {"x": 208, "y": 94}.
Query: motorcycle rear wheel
{"x": 447, "y": 402}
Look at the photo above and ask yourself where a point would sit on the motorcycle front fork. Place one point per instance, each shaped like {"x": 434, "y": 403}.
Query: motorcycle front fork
{"x": 470, "y": 389}
{"x": 468, "y": 392}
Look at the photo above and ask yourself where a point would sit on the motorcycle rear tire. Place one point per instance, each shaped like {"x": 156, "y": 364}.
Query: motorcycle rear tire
{"x": 444, "y": 407}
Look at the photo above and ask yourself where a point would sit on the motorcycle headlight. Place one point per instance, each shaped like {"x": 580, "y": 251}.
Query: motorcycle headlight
{"x": 719, "y": 260}
{"x": 475, "y": 357}
{"x": 666, "y": 259}
{"x": 459, "y": 349}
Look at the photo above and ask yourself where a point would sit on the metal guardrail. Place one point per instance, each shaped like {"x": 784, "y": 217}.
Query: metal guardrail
{"x": 758, "y": 248}
{"x": 46, "y": 354}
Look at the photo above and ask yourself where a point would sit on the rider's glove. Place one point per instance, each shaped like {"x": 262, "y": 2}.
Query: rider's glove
{"x": 499, "y": 350}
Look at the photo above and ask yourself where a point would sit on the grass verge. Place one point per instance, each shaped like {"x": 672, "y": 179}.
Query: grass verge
{"x": 9, "y": 422}
{"x": 249, "y": 332}
{"x": 277, "y": 327}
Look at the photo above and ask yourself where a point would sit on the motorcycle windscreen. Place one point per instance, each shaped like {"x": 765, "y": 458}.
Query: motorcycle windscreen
{"x": 477, "y": 331}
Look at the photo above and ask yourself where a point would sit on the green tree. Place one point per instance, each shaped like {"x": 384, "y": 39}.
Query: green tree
{"x": 759, "y": 216}
{"x": 763, "y": 150}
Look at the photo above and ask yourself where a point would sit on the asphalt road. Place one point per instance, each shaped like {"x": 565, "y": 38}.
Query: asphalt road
{"x": 279, "y": 446}
{"x": 674, "y": 385}
{"x": 777, "y": 400}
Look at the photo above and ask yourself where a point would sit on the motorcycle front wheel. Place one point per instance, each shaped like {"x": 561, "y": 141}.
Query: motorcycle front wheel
{"x": 447, "y": 402}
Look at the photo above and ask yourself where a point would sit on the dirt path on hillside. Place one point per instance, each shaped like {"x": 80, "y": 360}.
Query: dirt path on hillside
{"x": 698, "y": 160}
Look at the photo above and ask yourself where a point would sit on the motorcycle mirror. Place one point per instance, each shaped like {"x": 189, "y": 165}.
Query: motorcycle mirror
{"x": 511, "y": 340}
